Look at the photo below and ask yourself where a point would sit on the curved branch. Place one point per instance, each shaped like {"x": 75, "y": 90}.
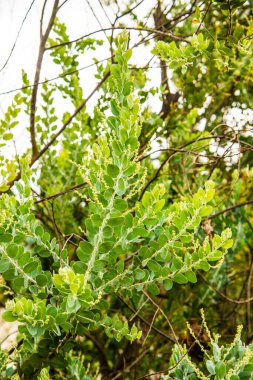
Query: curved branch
{"x": 170, "y": 156}
{"x": 223, "y": 295}
{"x": 19, "y": 31}
{"x": 146, "y": 322}
{"x": 139, "y": 29}
{"x": 230, "y": 209}
{"x": 54, "y": 196}
{"x": 42, "y": 46}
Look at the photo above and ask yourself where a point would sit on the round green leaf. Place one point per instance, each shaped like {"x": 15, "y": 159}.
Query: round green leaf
{"x": 41, "y": 280}
{"x": 5, "y": 238}
{"x": 31, "y": 267}
{"x": 8, "y": 316}
{"x": 153, "y": 289}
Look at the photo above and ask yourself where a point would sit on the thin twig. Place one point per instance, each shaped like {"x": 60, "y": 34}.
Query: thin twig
{"x": 175, "y": 365}
{"x": 61, "y": 193}
{"x": 201, "y": 23}
{"x": 45, "y": 148}
{"x": 162, "y": 312}
{"x": 230, "y": 18}
{"x": 130, "y": 10}
{"x": 150, "y": 327}
{"x": 42, "y": 18}
{"x": 94, "y": 14}
{"x": 63, "y": 3}
{"x": 238, "y": 302}
{"x": 7, "y": 336}
{"x": 78, "y": 109}
{"x": 19, "y": 31}
{"x": 143, "y": 353}
{"x": 139, "y": 29}
{"x": 248, "y": 306}
{"x": 139, "y": 309}
{"x": 229, "y": 209}
{"x": 105, "y": 13}
{"x": 63, "y": 75}
{"x": 169, "y": 157}
{"x": 146, "y": 322}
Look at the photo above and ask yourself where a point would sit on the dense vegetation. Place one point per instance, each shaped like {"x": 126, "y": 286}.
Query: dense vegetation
{"x": 126, "y": 248}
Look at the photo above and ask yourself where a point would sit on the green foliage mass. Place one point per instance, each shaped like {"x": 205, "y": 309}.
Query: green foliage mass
{"x": 105, "y": 259}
